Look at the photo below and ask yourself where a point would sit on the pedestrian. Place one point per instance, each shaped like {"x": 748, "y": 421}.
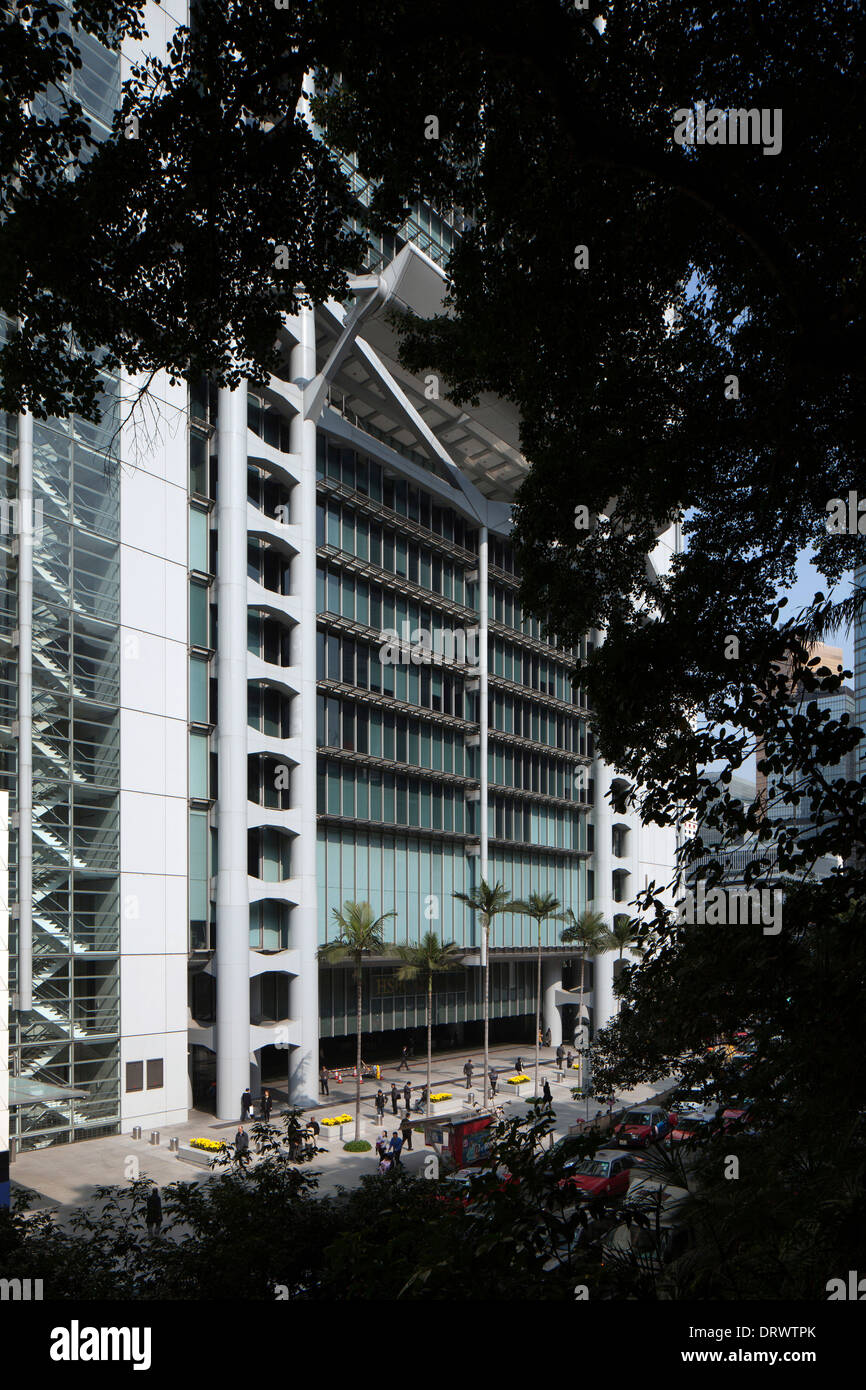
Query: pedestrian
{"x": 404, "y": 1060}
{"x": 406, "y": 1131}
{"x": 246, "y": 1102}
{"x": 421, "y": 1102}
{"x": 395, "y": 1147}
{"x": 546, "y": 1094}
{"x": 467, "y": 1072}
{"x": 380, "y": 1106}
{"x": 153, "y": 1213}
{"x": 315, "y": 1127}
{"x": 547, "y": 1037}
{"x": 242, "y": 1143}
{"x": 560, "y": 1053}
{"x": 385, "y": 1164}
{"x": 518, "y": 1066}
{"x": 382, "y": 1145}
{"x": 407, "y": 1097}
{"x": 494, "y": 1076}
{"x": 266, "y": 1107}
{"x": 323, "y": 1081}
{"x": 395, "y": 1098}
{"x": 569, "y": 1059}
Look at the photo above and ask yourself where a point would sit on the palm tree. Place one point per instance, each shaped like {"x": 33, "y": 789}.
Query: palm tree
{"x": 422, "y": 962}
{"x": 541, "y": 907}
{"x": 487, "y": 902}
{"x": 623, "y": 937}
{"x": 592, "y": 938}
{"x": 360, "y": 935}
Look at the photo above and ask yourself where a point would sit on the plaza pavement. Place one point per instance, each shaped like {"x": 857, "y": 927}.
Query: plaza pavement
{"x": 67, "y": 1176}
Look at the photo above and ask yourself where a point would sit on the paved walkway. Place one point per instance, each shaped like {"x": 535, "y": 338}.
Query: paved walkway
{"x": 67, "y": 1176}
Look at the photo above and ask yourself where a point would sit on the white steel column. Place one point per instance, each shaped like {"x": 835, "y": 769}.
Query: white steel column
{"x": 232, "y": 924}
{"x": 603, "y": 902}
{"x": 25, "y": 711}
{"x": 482, "y": 690}
{"x": 551, "y": 984}
{"x": 304, "y": 989}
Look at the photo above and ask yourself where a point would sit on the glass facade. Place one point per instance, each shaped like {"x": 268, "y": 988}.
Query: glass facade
{"x": 398, "y": 770}
{"x": 70, "y": 1038}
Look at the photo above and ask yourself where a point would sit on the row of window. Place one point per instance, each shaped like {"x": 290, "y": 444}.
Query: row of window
{"x": 511, "y": 714}
{"x": 535, "y": 672}
{"x": 155, "y": 1075}
{"x": 354, "y": 470}
{"x": 382, "y": 734}
{"x": 534, "y": 825}
{"x": 350, "y": 596}
{"x": 533, "y": 772}
{"x": 357, "y": 663}
{"x": 354, "y": 533}
{"x": 367, "y": 794}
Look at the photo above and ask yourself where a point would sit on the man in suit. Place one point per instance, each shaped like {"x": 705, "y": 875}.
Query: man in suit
{"x": 395, "y": 1097}
{"x": 266, "y": 1107}
{"x": 246, "y": 1103}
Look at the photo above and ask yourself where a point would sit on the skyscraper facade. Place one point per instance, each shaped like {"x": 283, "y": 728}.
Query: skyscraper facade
{"x": 265, "y": 655}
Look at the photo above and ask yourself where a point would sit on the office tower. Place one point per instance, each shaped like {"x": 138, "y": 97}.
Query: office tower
{"x": 277, "y": 662}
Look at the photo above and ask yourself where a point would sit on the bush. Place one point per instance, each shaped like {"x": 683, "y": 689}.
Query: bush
{"x": 357, "y": 1146}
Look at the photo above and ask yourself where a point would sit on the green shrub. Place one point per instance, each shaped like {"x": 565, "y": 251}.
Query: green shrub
{"x": 357, "y": 1146}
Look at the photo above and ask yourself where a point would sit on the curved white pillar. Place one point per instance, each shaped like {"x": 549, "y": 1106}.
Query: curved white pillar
{"x": 304, "y": 987}
{"x": 232, "y": 896}
{"x": 551, "y": 982}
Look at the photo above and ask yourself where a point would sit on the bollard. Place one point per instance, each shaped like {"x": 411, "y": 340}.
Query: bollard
{"x": 154, "y": 1136}
{"x": 136, "y": 1131}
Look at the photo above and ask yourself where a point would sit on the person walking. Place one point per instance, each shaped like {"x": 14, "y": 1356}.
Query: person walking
{"x": 246, "y": 1104}
{"x": 266, "y": 1104}
{"x": 153, "y": 1212}
{"x": 395, "y": 1098}
{"x": 407, "y": 1097}
{"x": 380, "y": 1106}
{"x": 546, "y": 1095}
{"x": 518, "y": 1066}
{"x": 323, "y": 1081}
{"x": 242, "y": 1143}
{"x": 394, "y": 1148}
{"x": 406, "y": 1131}
{"x": 382, "y": 1145}
{"x": 560, "y": 1053}
{"x": 547, "y": 1037}
{"x": 404, "y": 1060}
{"x": 493, "y": 1077}
{"x": 467, "y": 1072}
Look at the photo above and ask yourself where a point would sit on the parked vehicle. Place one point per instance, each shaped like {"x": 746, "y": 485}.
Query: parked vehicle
{"x": 647, "y": 1124}
{"x": 692, "y": 1124}
{"x": 606, "y": 1175}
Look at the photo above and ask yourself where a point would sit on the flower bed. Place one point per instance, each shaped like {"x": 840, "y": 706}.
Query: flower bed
{"x": 517, "y": 1080}
{"x": 337, "y": 1120}
{"x": 441, "y": 1095}
{"x": 209, "y": 1145}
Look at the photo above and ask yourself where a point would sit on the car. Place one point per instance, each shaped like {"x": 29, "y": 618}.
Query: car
{"x": 738, "y": 1116}
{"x": 651, "y": 1229}
{"x": 645, "y": 1124}
{"x": 606, "y": 1175}
{"x": 692, "y": 1124}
